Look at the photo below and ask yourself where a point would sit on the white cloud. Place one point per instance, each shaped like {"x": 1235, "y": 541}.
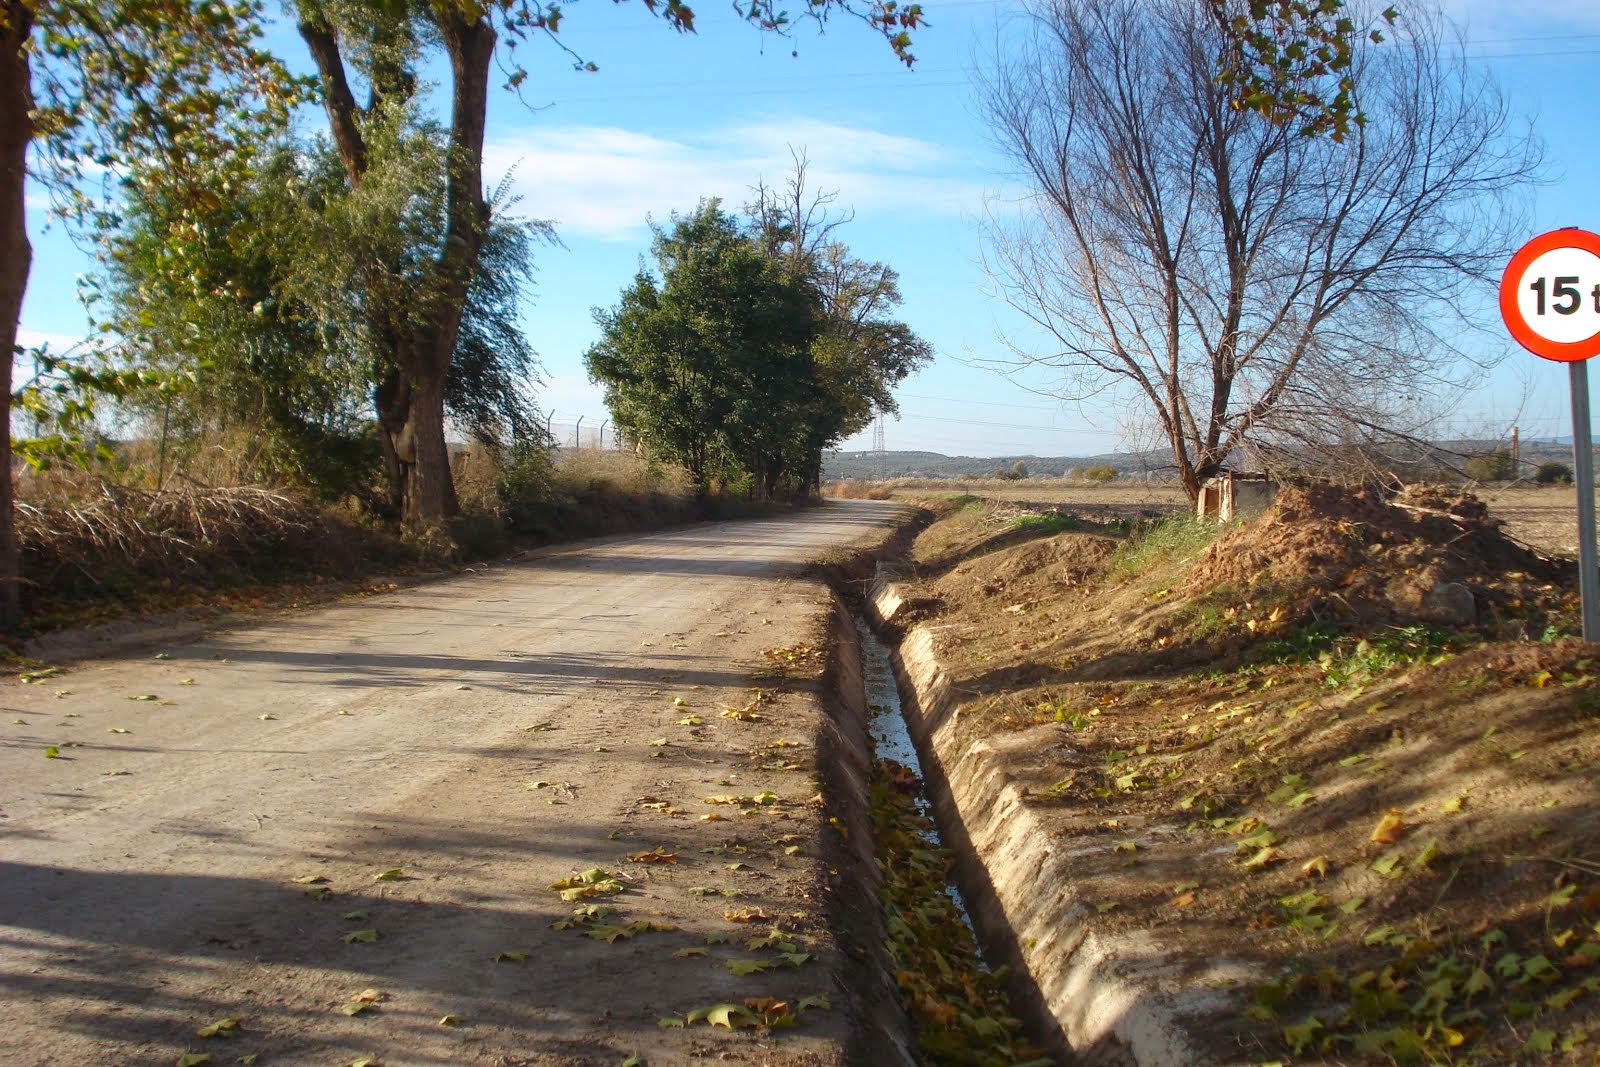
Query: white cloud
{"x": 603, "y": 182}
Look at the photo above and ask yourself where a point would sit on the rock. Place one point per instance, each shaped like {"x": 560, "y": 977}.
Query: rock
{"x": 1428, "y": 599}
{"x": 1449, "y": 603}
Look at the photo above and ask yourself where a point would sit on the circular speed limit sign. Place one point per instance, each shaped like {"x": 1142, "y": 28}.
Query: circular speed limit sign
{"x": 1550, "y": 295}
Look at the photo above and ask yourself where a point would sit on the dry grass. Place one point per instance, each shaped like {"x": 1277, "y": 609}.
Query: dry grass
{"x": 856, "y": 489}
{"x": 85, "y": 539}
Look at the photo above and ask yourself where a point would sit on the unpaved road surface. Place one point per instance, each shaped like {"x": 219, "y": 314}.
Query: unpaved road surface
{"x": 486, "y": 735}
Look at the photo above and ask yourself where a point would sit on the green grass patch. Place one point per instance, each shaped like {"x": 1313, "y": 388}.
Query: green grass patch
{"x": 1167, "y": 541}
{"x": 1346, "y": 658}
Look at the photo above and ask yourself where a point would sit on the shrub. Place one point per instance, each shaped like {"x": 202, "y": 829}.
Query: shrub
{"x": 1553, "y": 474}
{"x": 1493, "y": 466}
{"x": 1103, "y": 473}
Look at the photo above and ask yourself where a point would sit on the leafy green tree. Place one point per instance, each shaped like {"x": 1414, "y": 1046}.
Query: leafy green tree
{"x": 381, "y": 44}
{"x": 861, "y": 351}
{"x": 264, "y": 303}
{"x": 86, "y": 82}
{"x": 709, "y": 363}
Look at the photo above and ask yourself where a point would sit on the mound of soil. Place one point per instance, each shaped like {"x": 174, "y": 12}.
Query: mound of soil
{"x": 1428, "y": 555}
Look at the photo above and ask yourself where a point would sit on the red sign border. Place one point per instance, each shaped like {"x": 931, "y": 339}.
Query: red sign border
{"x": 1544, "y": 348}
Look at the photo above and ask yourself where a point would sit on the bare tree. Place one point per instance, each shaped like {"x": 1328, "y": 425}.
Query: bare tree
{"x": 1232, "y": 277}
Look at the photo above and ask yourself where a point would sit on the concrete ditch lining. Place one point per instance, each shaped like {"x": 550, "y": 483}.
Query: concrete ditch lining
{"x": 1110, "y": 999}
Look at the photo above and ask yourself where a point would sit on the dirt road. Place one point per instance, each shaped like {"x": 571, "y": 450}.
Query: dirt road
{"x": 210, "y": 840}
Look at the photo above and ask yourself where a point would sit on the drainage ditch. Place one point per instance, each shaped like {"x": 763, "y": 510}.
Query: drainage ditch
{"x": 957, "y": 1004}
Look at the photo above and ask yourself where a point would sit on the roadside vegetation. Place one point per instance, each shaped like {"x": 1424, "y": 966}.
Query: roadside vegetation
{"x": 103, "y": 544}
{"x": 1347, "y": 749}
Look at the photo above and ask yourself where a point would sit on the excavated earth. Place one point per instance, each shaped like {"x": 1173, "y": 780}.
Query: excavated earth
{"x": 1318, "y": 788}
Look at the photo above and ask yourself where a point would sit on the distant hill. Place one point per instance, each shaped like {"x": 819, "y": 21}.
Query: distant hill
{"x": 872, "y": 465}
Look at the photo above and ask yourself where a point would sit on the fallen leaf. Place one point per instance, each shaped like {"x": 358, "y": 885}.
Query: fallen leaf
{"x": 393, "y": 874}
{"x": 508, "y": 957}
{"x": 1390, "y": 828}
{"x": 309, "y": 879}
{"x": 193, "y": 1059}
{"x": 1317, "y": 865}
{"x": 145, "y": 696}
{"x": 364, "y": 936}
{"x": 319, "y": 893}
{"x": 117, "y": 730}
{"x": 692, "y": 950}
{"x": 731, "y": 1016}
{"x": 220, "y": 1028}
{"x": 450, "y": 1020}
{"x": 1262, "y": 858}
{"x": 654, "y": 855}
{"x": 52, "y": 752}
{"x": 354, "y": 916}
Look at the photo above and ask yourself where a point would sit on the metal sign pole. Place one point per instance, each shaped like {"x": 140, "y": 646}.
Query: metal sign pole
{"x": 1583, "y": 474}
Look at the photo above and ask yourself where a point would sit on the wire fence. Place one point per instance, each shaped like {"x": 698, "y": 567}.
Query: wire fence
{"x": 592, "y": 434}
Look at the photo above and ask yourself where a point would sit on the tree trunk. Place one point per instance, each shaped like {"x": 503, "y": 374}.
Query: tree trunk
{"x": 16, "y": 256}
{"x": 410, "y": 396}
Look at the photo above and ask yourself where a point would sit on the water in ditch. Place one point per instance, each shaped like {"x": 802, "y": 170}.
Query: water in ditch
{"x": 956, "y": 1002}
{"x": 891, "y": 737}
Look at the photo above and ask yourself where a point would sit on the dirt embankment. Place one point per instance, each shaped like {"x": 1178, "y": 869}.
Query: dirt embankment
{"x": 1318, "y": 789}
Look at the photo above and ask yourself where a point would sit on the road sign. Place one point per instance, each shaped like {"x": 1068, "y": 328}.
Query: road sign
{"x": 1550, "y": 295}
{"x": 1550, "y": 300}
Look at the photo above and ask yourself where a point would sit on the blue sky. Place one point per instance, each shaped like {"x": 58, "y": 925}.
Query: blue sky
{"x": 669, "y": 119}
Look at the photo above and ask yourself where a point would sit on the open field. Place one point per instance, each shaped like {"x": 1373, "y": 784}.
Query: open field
{"x": 1544, "y": 517}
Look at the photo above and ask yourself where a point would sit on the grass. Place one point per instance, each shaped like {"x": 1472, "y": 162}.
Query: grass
{"x": 98, "y": 545}
{"x": 1168, "y": 541}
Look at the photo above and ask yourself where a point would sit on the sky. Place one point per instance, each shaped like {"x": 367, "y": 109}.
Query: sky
{"x": 669, "y": 119}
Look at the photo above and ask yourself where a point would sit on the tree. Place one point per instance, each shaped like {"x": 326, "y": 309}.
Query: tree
{"x": 861, "y": 351}
{"x": 103, "y": 83}
{"x": 1237, "y": 279}
{"x": 262, "y": 305}
{"x": 710, "y": 366}
{"x": 381, "y": 42}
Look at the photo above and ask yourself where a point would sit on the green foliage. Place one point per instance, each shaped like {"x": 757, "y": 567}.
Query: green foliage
{"x": 1161, "y": 542}
{"x": 174, "y": 86}
{"x": 1553, "y": 474}
{"x": 711, "y": 366}
{"x": 750, "y": 350}
{"x": 1347, "y": 659}
{"x": 1103, "y": 473}
{"x": 267, "y": 308}
{"x": 1493, "y": 466}
{"x": 1289, "y": 60}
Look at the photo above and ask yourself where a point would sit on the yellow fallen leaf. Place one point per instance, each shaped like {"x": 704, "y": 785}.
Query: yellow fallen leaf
{"x": 1390, "y": 829}
{"x": 1317, "y": 865}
